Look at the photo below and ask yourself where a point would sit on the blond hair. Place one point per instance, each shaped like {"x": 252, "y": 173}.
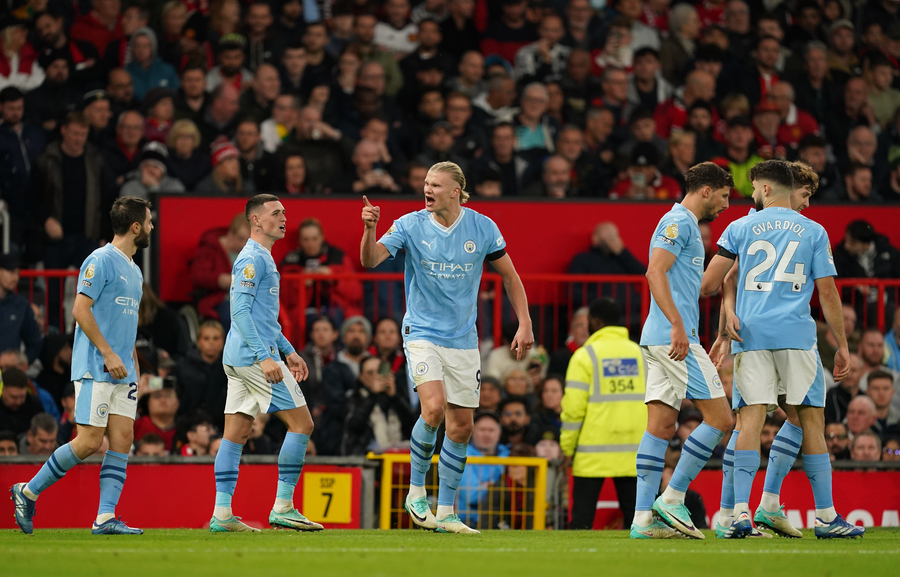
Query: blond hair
{"x": 804, "y": 175}
{"x": 456, "y": 172}
{"x": 183, "y": 127}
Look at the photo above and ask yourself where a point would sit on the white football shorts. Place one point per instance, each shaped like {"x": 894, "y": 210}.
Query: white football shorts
{"x": 761, "y": 376}
{"x": 458, "y": 369}
{"x": 95, "y": 401}
{"x": 671, "y": 381}
{"x": 249, "y": 392}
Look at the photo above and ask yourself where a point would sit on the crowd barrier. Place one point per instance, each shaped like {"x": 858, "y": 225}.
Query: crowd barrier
{"x": 553, "y": 299}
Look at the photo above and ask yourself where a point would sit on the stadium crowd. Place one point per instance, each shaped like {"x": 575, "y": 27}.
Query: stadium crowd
{"x": 533, "y": 98}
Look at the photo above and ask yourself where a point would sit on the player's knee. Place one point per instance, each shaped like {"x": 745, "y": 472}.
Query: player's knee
{"x": 723, "y": 422}
{"x": 433, "y": 413}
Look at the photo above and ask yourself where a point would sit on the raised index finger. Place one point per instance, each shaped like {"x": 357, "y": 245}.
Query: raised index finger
{"x": 366, "y": 200}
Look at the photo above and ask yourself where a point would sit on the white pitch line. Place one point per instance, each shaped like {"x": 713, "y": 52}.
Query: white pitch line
{"x": 245, "y": 550}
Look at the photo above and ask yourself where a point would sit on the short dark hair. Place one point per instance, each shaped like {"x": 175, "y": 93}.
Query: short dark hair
{"x": 707, "y": 174}
{"x": 10, "y": 436}
{"x": 804, "y": 175}
{"x": 75, "y": 117}
{"x": 607, "y": 311}
{"x": 150, "y": 439}
{"x": 880, "y": 374}
{"x": 513, "y": 399}
{"x": 775, "y": 171}
{"x": 10, "y": 94}
{"x": 15, "y": 378}
{"x": 256, "y": 202}
{"x": 127, "y": 211}
{"x": 860, "y": 230}
{"x": 811, "y": 141}
{"x": 43, "y": 422}
{"x": 646, "y": 51}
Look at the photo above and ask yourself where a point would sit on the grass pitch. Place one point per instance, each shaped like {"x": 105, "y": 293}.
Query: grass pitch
{"x": 195, "y": 553}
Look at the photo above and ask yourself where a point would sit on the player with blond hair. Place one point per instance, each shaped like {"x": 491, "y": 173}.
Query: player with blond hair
{"x": 446, "y": 245}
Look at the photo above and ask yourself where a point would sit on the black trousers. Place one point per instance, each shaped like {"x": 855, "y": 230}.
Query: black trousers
{"x": 586, "y": 491}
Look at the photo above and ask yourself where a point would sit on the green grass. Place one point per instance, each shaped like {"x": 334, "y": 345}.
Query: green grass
{"x": 194, "y": 553}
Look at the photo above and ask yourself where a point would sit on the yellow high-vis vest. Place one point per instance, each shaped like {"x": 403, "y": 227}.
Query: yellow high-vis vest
{"x": 603, "y": 411}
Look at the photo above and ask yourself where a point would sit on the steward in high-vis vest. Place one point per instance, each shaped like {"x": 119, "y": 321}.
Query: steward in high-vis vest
{"x": 603, "y": 414}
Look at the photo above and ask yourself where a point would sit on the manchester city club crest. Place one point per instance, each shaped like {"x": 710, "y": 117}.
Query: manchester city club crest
{"x": 469, "y": 246}
{"x": 103, "y": 409}
{"x": 421, "y": 368}
{"x": 717, "y": 382}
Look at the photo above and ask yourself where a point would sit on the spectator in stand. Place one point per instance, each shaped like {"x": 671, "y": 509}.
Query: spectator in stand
{"x": 892, "y": 344}
{"x": 470, "y": 80}
{"x": 397, "y": 34}
{"x": 338, "y": 299}
{"x": 162, "y": 328}
{"x": 838, "y": 398}
{"x": 275, "y": 129}
{"x": 808, "y": 25}
{"x": 173, "y": 17}
{"x": 194, "y": 46}
{"x": 387, "y": 345}
{"x": 766, "y": 120}
{"x": 516, "y": 422}
{"x": 15, "y": 358}
{"x": 739, "y": 154}
{"x": 257, "y": 101}
{"x": 294, "y": 174}
{"x": 198, "y": 430}
{"x": 56, "y": 363}
{"x": 491, "y": 394}
{"x": 97, "y": 111}
{"x": 673, "y": 113}
{"x": 504, "y": 37}
{"x": 8, "y": 445}
{"x": 47, "y": 102}
{"x": 615, "y": 98}
{"x": 682, "y": 154}
{"x": 225, "y": 177}
{"x": 871, "y": 350}
{"x": 230, "y": 69}
{"x": 159, "y": 106}
{"x": 100, "y": 26}
{"x": 641, "y": 34}
{"x": 20, "y": 144}
{"x": 200, "y": 377}
{"x": 326, "y": 150}
{"x": 700, "y": 123}
{"x": 151, "y": 445}
{"x": 817, "y": 92}
{"x": 858, "y": 185}
{"x": 120, "y": 88}
{"x": 191, "y": 99}
{"x": 647, "y": 89}
{"x": 188, "y": 162}
{"x": 495, "y": 104}
{"x": 210, "y": 268}
{"x": 364, "y": 31}
{"x": 546, "y": 57}
{"x": 856, "y": 113}
{"x": 842, "y": 59}
{"x": 502, "y": 158}
{"x": 369, "y": 176}
{"x": 880, "y": 387}
{"x": 866, "y": 446}
{"x": 883, "y": 99}
{"x": 890, "y": 452}
{"x": 318, "y": 353}
{"x": 264, "y": 45}
{"x": 813, "y": 151}
{"x": 147, "y": 69}
{"x": 469, "y": 138}
{"x": 152, "y": 174}
{"x": 578, "y": 334}
{"x": 861, "y": 415}
{"x": 645, "y": 181}
{"x": 257, "y": 165}
{"x": 862, "y": 148}
{"x": 158, "y": 408}
{"x": 460, "y": 36}
{"x": 866, "y": 254}
{"x": 73, "y": 191}
{"x": 339, "y": 378}
{"x": 677, "y": 50}
{"x": 439, "y": 146}
{"x": 17, "y": 405}
{"x": 378, "y": 417}
{"x": 582, "y": 25}
{"x": 556, "y": 180}
{"x": 427, "y": 52}
{"x": 795, "y": 123}
{"x": 122, "y": 154}
{"x": 642, "y": 128}
{"x": 18, "y": 59}
{"x": 608, "y": 256}
{"x": 838, "y": 441}
{"x": 117, "y": 52}
{"x": 547, "y": 414}
{"x": 485, "y": 442}
{"x": 41, "y": 436}
{"x": 81, "y": 55}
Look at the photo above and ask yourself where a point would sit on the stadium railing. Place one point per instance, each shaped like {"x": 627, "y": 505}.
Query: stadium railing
{"x": 508, "y": 492}
{"x": 553, "y": 299}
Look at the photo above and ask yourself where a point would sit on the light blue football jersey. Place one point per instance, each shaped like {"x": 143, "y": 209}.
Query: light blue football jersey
{"x": 115, "y": 283}
{"x": 442, "y": 273}
{"x": 780, "y": 255}
{"x": 254, "y": 273}
{"x": 678, "y": 233}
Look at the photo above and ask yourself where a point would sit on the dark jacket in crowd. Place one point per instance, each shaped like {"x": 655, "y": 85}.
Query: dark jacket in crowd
{"x": 361, "y": 403}
{"x": 19, "y": 420}
{"x": 337, "y": 382}
{"x": 19, "y": 326}
{"x": 209, "y": 262}
{"x": 202, "y": 385}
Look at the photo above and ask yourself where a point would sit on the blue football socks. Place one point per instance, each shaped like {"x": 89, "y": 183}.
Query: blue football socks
{"x": 650, "y": 461}
{"x": 228, "y": 459}
{"x": 694, "y": 454}
{"x": 62, "y": 459}
{"x": 421, "y": 450}
{"x": 112, "y": 480}
{"x": 290, "y": 464}
{"x": 781, "y": 458}
{"x": 451, "y": 465}
{"x": 746, "y": 464}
